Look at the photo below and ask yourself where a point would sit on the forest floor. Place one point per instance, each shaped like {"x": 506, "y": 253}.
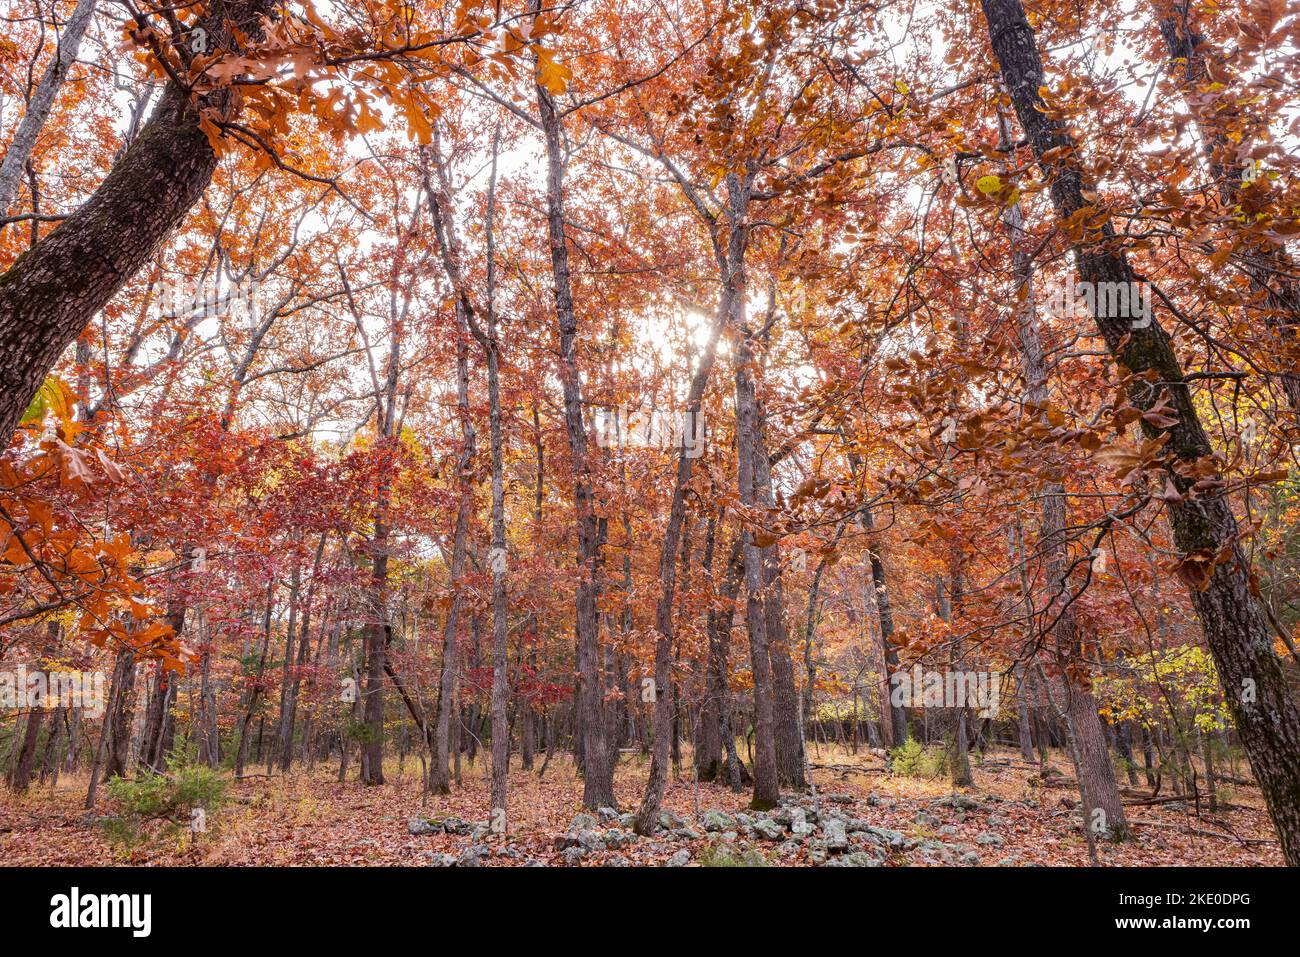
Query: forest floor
{"x": 1012, "y": 818}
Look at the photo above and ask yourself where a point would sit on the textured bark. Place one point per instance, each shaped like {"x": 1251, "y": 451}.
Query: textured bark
{"x": 25, "y": 762}
{"x": 500, "y": 650}
{"x": 709, "y": 739}
{"x": 162, "y": 695}
{"x": 207, "y": 730}
{"x": 50, "y": 760}
{"x": 118, "y": 719}
{"x": 786, "y": 709}
{"x": 439, "y": 770}
{"x": 1026, "y": 739}
{"x": 954, "y": 718}
{"x": 51, "y": 292}
{"x": 1204, "y": 526}
{"x": 766, "y": 787}
{"x": 598, "y": 770}
{"x": 377, "y": 626}
{"x": 289, "y": 691}
{"x": 897, "y": 713}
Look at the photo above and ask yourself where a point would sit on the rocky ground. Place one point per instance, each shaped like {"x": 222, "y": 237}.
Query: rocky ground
{"x": 858, "y": 816}
{"x": 820, "y": 830}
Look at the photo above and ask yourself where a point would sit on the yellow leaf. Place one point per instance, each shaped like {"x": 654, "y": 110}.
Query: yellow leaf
{"x": 553, "y": 75}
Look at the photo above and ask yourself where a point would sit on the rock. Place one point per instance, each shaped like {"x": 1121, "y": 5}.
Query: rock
{"x": 854, "y": 824}
{"x": 802, "y": 829}
{"x": 680, "y": 859}
{"x": 931, "y": 850}
{"x": 947, "y": 831}
{"x": 895, "y": 839}
{"x": 958, "y": 802}
{"x": 471, "y": 856}
{"x": 769, "y": 829}
{"x": 970, "y": 858}
{"x": 712, "y": 820}
{"x": 589, "y": 840}
{"x": 875, "y": 800}
{"x": 789, "y": 848}
{"x": 744, "y": 820}
{"x": 454, "y": 825}
{"x": 616, "y": 838}
{"x": 618, "y": 860}
{"x": 439, "y": 860}
{"x": 837, "y": 838}
{"x": 626, "y": 820}
{"x": 480, "y": 831}
{"x": 840, "y": 798}
{"x": 668, "y": 820}
{"x": 926, "y": 820}
{"x": 420, "y": 826}
{"x": 686, "y": 834}
{"x": 730, "y": 836}
{"x": 1009, "y": 861}
{"x": 817, "y": 852}
{"x": 606, "y": 814}
{"x": 582, "y": 822}
{"x": 573, "y": 856}
{"x": 856, "y": 859}
{"x": 989, "y": 839}
{"x": 998, "y": 820}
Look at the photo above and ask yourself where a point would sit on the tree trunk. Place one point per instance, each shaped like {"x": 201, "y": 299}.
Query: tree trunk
{"x": 25, "y": 762}
{"x": 117, "y": 722}
{"x": 51, "y": 292}
{"x": 766, "y": 788}
{"x": 598, "y": 770}
{"x": 1205, "y": 530}
{"x": 898, "y": 717}
{"x": 709, "y": 743}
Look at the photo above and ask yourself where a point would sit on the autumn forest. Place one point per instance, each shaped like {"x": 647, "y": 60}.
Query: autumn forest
{"x": 709, "y": 433}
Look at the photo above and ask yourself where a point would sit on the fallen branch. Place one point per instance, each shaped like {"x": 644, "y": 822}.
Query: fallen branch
{"x": 848, "y": 769}
{"x": 1203, "y": 833}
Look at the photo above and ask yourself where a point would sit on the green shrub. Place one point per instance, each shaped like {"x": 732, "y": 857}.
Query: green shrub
{"x": 160, "y": 806}
{"x": 911, "y": 759}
